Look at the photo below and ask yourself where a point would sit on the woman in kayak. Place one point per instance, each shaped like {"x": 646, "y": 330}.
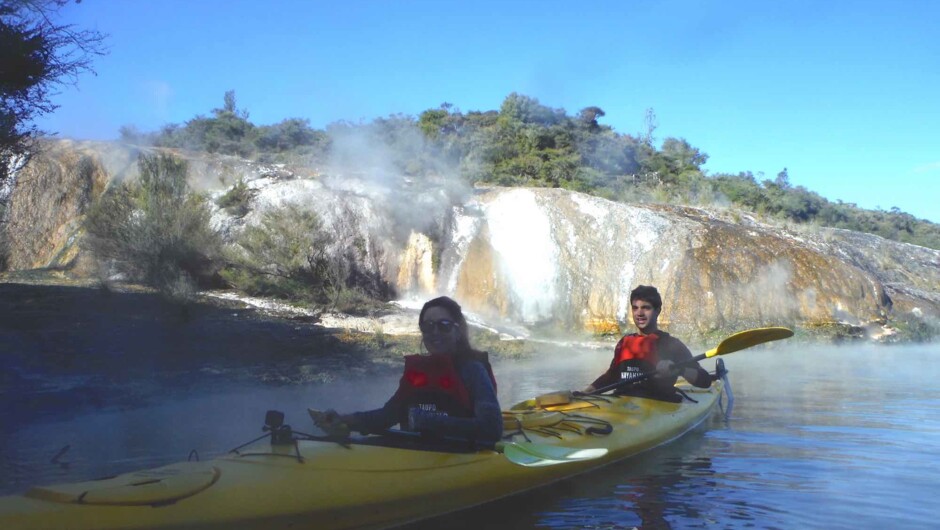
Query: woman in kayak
{"x": 449, "y": 392}
{"x": 650, "y": 350}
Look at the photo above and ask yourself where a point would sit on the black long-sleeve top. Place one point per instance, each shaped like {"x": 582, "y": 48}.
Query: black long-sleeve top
{"x": 485, "y": 425}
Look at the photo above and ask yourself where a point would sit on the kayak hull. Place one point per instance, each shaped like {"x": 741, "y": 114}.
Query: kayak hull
{"x": 326, "y": 485}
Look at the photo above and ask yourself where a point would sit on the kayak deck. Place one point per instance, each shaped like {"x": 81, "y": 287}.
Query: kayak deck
{"x": 369, "y": 482}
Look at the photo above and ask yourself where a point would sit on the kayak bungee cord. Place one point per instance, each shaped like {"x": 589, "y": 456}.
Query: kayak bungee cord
{"x": 553, "y": 423}
{"x": 526, "y": 454}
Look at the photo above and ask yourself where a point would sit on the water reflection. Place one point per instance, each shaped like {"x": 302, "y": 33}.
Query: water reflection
{"x": 661, "y": 489}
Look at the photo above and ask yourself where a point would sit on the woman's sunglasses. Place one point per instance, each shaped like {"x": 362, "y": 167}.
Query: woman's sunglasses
{"x": 441, "y": 326}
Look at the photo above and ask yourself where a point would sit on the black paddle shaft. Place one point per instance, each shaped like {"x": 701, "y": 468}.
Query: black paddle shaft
{"x": 646, "y": 375}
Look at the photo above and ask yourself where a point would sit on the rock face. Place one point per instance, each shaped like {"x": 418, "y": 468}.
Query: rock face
{"x": 571, "y": 260}
{"x": 42, "y": 221}
{"x": 910, "y": 274}
{"x": 44, "y": 212}
{"x": 544, "y": 257}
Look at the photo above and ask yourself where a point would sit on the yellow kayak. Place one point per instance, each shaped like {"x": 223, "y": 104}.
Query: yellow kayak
{"x": 366, "y": 482}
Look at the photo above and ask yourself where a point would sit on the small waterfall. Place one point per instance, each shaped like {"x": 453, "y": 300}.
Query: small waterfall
{"x": 467, "y": 221}
{"x": 416, "y": 267}
{"x": 526, "y": 253}
{"x": 542, "y": 256}
{"x": 501, "y": 259}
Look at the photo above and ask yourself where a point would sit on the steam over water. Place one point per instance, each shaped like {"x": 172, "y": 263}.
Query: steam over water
{"x": 821, "y": 437}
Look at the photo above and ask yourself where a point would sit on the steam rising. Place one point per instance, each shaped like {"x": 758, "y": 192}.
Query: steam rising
{"x": 363, "y": 162}
{"x": 520, "y": 233}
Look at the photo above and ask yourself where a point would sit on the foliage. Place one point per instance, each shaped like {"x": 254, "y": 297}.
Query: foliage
{"x": 291, "y": 254}
{"x": 155, "y": 230}
{"x": 778, "y": 199}
{"x": 38, "y": 57}
{"x": 288, "y": 135}
{"x": 917, "y": 327}
{"x": 227, "y": 131}
{"x": 526, "y": 143}
{"x": 236, "y": 199}
{"x": 281, "y": 255}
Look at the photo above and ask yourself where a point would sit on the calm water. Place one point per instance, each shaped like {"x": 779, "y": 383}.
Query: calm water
{"x": 819, "y": 438}
{"x": 830, "y": 438}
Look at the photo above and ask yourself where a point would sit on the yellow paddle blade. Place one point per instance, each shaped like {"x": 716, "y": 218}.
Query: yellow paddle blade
{"x": 537, "y": 455}
{"x": 748, "y": 338}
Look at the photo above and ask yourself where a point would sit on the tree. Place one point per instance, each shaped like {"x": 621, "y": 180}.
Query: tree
{"x": 431, "y": 122}
{"x": 229, "y": 105}
{"x": 38, "y": 57}
{"x": 589, "y": 115}
{"x": 783, "y": 179}
{"x": 651, "y": 124}
{"x": 517, "y": 108}
{"x": 683, "y": 156}
{"x": 227, "y": 131}
{"x": 155, "y": 230}
{"x": 288, "y": 134}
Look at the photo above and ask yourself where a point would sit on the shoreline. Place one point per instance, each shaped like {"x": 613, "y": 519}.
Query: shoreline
{"x": 389, "y": 332}
{"x": 393, "y": 328}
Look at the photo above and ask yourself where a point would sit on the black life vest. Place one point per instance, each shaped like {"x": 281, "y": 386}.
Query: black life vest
{"x": 433, "y": 384}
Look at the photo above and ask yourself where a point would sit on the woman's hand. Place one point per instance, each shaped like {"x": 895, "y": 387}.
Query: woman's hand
{"x": 330, "y": 422}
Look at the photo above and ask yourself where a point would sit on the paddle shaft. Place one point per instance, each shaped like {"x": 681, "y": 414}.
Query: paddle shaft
{"x": 457, "y": 442}
{"x": 524, "y": 454}
{"x": 646, "y": 375}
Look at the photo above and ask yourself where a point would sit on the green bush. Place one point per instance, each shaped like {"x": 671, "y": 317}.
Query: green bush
{"x": 236, "y": 199}
{"x": 155, "y": 230}
{"x": 283, "y": 256}
{"x": 290, "y": 254}
{"x": 916, "y": 327}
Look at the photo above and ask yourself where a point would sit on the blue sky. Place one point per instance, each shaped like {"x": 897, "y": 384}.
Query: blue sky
{"x": 842, "y": 93}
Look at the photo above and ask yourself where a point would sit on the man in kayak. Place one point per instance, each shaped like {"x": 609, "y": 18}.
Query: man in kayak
{"x": 450, "y": 392}
{"x": 650, "y": 350}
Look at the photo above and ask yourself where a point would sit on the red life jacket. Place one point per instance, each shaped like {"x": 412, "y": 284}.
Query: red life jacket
{"x": 635, "y": 354}
{"x": 433, "y": 384}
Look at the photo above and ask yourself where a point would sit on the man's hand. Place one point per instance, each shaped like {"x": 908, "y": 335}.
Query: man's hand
{"x": 665, "y": 368}
{"x": 720, "y": 372}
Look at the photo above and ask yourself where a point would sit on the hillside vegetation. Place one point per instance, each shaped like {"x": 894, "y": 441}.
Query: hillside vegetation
{"x": 525, "y": 143}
